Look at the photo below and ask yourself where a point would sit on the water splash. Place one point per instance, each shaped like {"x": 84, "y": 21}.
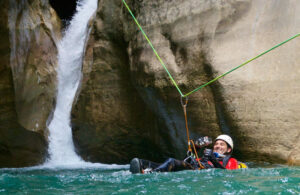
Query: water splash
{"x": 70, "y": 55}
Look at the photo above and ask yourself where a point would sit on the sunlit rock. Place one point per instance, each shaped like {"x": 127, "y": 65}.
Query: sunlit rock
{"x": 34, "y": 30}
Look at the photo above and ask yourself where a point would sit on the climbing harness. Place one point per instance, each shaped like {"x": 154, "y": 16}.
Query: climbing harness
{"x": 211, "y": 81}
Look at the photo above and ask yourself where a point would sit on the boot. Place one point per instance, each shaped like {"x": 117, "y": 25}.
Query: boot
{"x": 135, "y": 166}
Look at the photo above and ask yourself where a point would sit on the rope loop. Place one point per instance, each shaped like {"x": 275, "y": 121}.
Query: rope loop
{"x": 184, "y": 102}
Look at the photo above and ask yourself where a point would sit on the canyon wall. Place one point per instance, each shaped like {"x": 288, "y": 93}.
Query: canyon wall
{"x": 127, "y": 106}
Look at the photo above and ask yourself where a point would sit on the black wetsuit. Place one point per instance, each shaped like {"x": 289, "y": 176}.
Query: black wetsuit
{"x": 170, "y": 164}
{"x": 190, "y": 163}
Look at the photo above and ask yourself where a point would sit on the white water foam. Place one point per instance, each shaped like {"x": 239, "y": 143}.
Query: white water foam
{"x": 70, "y": 56}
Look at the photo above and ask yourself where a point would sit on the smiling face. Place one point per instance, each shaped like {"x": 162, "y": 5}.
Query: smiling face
{"x": 221, "y": 147}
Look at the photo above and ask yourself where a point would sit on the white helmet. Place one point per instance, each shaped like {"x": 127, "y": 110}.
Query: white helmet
{"x": 227, "y": 139}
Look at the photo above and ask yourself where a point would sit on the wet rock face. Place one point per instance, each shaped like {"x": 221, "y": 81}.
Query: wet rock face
{"x": 19, "y": 145}
{"x": 198, "y": 40}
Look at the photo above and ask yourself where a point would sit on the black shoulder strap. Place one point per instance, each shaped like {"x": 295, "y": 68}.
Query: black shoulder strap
{"x": 226, "y": 159}
{"x": 216, "y": 163}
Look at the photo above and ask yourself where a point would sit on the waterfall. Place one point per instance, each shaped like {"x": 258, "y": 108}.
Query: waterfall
{"x": 70, "y": 56}
{"x": 71, "y": 51}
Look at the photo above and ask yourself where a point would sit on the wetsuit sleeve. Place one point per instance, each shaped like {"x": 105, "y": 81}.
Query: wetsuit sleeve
{"x": 232, "y": 164}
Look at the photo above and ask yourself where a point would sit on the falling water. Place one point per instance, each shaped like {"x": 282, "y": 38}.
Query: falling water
{"x": 70, "y": 55}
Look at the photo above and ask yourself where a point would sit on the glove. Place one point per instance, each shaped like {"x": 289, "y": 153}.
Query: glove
{"x": 208, "y": 153}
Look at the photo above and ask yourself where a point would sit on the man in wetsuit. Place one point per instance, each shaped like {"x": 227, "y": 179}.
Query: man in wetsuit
{"x": 219, "y": 157}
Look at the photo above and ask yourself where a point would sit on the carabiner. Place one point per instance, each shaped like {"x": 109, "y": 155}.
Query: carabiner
{"x": 182, "y": 101}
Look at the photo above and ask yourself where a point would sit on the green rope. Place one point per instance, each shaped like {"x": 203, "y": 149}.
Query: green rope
{"x": 158, "y": 57}
{"x": 243, "y": 64}
{"x": 209, "y": 82}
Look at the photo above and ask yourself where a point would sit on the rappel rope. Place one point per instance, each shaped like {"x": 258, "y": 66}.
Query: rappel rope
{"x": 184, "y": 104}
{"x": 190, "y": 142}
